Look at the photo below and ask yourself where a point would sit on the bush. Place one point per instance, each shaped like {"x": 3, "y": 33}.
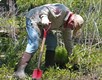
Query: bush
{"x": 61, "y": 56}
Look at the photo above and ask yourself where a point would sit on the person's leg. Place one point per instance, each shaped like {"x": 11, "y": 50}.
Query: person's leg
{"x": 32, "y": 46}
{"x": 51, "y": 44}
{"x": 20, "y": 72}
{"x": 49, "y": 58}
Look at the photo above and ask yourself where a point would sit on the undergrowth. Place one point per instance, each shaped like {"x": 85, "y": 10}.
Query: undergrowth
{"x": 89, "y": 66}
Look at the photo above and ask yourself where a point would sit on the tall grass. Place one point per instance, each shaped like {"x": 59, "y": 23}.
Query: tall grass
{"x": 88, "y": 55}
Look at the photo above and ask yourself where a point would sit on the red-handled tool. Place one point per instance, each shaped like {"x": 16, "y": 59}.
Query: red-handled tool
{"x": 37, "y": 73}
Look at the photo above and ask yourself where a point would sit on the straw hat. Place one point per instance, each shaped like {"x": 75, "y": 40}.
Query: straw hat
{"x": 78, "y": 20}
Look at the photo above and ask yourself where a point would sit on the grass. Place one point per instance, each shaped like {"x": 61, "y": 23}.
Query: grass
{"x": 87, "y": 55}
{"x": 89, "y": 67}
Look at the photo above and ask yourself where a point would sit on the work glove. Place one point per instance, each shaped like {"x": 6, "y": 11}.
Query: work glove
{"x": 45, "y": 20}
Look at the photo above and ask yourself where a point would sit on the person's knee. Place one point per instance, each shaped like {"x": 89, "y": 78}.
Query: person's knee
{"x": 52, "y": 48}
{"x": 32, "y": 48}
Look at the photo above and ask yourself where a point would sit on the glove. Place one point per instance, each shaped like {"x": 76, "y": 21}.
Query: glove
{"x": 45, "y": 20}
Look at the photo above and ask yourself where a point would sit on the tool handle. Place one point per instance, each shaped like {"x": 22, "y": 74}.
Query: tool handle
{"x": 42, "y": 48}
{"x": 41, "y": 51}
{"x": 42, "y": 45}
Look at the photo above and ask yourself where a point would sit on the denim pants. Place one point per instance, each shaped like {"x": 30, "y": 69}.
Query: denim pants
{"x": 34, "y": 38}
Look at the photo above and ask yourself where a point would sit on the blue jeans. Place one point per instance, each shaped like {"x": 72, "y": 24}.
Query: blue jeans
{"x": 34, "y": 38}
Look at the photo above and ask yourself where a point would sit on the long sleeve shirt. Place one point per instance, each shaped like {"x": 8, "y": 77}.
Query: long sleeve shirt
{"x": 57, "y": 14}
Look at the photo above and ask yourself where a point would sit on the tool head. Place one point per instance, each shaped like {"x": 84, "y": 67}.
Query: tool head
{"x": 37, "y": 74}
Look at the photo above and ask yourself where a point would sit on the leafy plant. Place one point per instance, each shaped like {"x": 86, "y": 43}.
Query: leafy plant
{"x": 61, "y": 56}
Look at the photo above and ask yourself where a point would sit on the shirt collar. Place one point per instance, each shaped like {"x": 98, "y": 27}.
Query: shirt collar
{"x": 67, "y": 18}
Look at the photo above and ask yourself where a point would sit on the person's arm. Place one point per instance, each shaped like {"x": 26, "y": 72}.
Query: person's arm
{"x": 44, "y": 16}
{"x": 67, "y": 36}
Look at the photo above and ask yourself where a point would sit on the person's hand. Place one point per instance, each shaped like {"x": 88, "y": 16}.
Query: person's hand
{"x": 45, "y": 20}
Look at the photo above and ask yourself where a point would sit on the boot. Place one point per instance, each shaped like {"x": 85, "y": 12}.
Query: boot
{"x": 20, "y": 72}
{"x": 49, "y": 58}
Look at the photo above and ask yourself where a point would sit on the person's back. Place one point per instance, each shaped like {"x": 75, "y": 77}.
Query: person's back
{"x": 56, "y": 14}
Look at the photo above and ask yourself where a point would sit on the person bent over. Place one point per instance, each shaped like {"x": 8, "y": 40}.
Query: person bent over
{"x": 60, "y": 18}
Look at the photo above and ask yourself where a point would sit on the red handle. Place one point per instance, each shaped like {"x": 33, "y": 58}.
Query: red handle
{"x": 45, "y": 33}
{"x": 46, "y": 30}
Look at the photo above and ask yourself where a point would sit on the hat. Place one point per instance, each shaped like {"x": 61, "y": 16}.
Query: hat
{"x": 78, "y": 19}
{"x": 78, "y": 23}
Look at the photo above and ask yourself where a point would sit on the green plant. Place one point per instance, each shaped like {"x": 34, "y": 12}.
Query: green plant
{"x": 61, "y": 56}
